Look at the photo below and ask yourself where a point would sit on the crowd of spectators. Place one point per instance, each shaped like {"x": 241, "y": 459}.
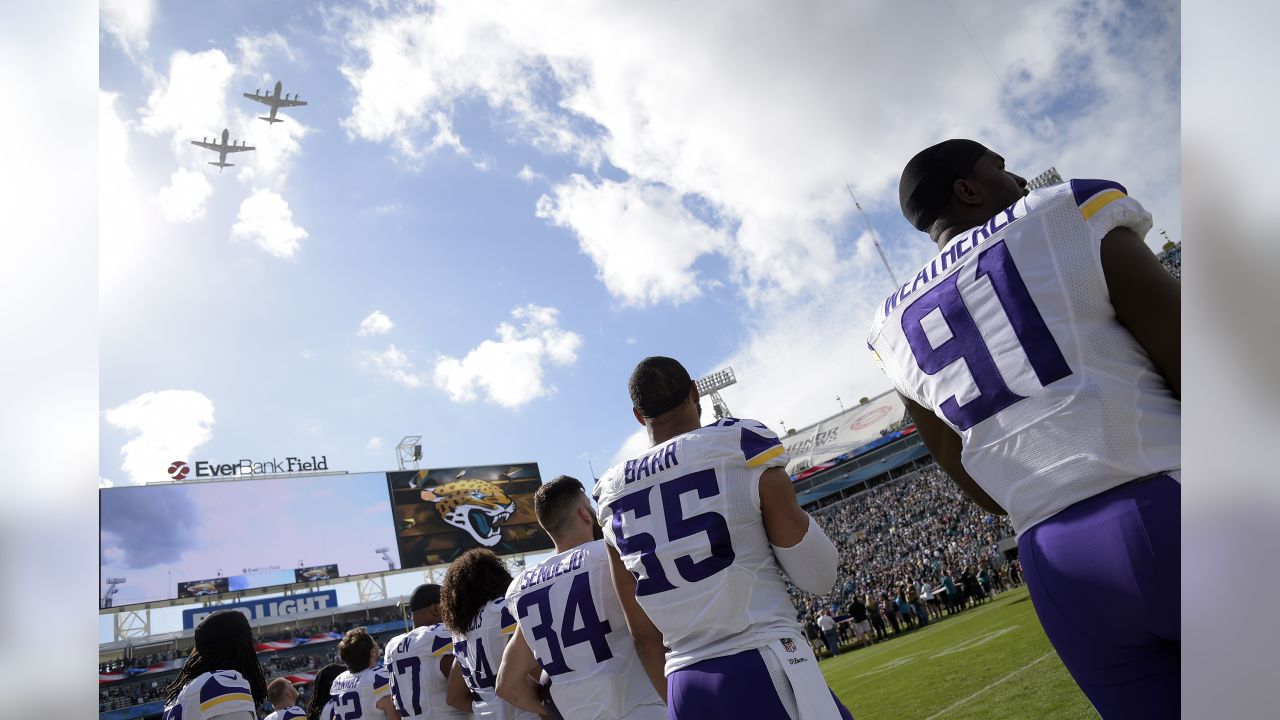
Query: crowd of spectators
{"x": 1171, "y": 258}
{"x": 152, "y": 688}
{"x": 910, "y": 550}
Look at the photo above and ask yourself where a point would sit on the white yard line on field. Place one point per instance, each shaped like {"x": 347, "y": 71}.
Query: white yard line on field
{"x": 958, "y": 703}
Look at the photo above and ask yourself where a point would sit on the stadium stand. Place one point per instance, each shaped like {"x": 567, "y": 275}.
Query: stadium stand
{"x": 1171, "y": 258}
{"x": 140, "y": 694}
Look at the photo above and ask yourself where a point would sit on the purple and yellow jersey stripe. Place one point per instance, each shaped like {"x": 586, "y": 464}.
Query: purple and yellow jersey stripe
{"x": 381, "y": 682}
{"x": 224, "y": 687}
{"x": 1093, "y": 195}
{"x": 441, "y": 644}
{"x": 508, "y": 621}
{"x": 759, "y": 444}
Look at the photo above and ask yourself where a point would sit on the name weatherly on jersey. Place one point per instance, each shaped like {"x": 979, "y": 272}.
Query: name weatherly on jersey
{"x": 956, "y": 250}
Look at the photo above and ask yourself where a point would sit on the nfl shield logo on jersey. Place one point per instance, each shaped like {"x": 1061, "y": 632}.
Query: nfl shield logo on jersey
{"x": 789, "y": 645}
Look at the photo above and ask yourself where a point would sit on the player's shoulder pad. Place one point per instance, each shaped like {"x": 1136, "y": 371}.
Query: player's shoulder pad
{"x": 224, "y": 686}
{"x": 1093, "y": 195}
{"x": 760, "y": 446}
{"x": 506, "y": 621}
{"x": 1106, "y": 205}
{"x": 441, "y": 640}
{"x": 381, "y": 676}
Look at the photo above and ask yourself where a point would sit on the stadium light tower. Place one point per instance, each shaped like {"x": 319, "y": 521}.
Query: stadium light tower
{"x": 1045, "y": 179}
{"x": 386, "y": 556}
{"x": 712, "y": 384}
{"x": 409, "y": 452}
{"x": 113, "y": 586}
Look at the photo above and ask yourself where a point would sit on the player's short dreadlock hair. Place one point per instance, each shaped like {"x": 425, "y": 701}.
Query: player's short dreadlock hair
{"x": 224, "y": 641}
{"x": 320, "y": 690}
{"x": 555, "y": 499}
{"x": 475, "y": 578}
{"x": 354, "y": 649}
{"x": 658, "y": 385}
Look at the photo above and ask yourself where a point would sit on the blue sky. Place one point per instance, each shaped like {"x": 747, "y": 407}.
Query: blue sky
{"x": 532, "y": 201}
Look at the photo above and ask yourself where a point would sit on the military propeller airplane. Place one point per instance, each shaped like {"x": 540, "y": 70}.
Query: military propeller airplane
{"x": 222, "y": 149}
{"x": 275, "y": 101}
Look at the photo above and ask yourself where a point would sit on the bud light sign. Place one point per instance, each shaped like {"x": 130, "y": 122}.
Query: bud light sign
{"x": 276, "y": 608}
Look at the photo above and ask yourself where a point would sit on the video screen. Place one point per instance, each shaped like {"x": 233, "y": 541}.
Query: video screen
{"x": 315, "y": 574}
{"x": 169, "y": 539}
{"x": 443, "y": 512}
{"x": 201, "y": 588}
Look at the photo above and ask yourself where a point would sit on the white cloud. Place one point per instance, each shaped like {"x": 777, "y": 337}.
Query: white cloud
{"x": 106, "y": 482}
{"x": 770, "y": 155}
{"x": 509, "y": 371}
{"x": 129, "y": 21}
{"x": 184, "y": 198}
{"x": 635, "y": 444}
{"x": 528, "y": 174}
{"x": 255, "y": 49}
{"x": 643, "y": 240}
{"x": 266, "y": 220}
{"x": 376, "y": 324}
{"x": 121, "y": 210}
{"x": 191, "y": 101}
{"x": 306, "y": 354}
{"x": 751, "y": 120}
{"x": 396, "y": 366}
{"x": 167, "y": 426}
{"x": 374, "y": 446}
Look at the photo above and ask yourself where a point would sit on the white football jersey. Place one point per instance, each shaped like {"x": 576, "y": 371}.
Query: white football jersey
{"x": 211, "y": 695}
{"x": 479, "y": 654}
{"x": 290, "y": 713}
{"x": 356, "y": 695}
{"x": 570, "y": 616}
{"x": 418, "y": 686}
{"x": 685, "y": 519}
{"x": 1009, "y": 336}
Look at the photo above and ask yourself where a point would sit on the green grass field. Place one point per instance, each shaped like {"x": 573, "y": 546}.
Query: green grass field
{"x": 990, "y": 662}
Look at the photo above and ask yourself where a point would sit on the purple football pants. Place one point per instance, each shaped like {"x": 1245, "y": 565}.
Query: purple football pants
{"x": 1105, "y": 581}
{"x": 733, "y": 687}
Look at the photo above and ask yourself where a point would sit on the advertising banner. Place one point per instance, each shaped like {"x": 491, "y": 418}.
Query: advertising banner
{"x": 441, "y": 513}
{"x": 314, "y": 574}
{"x": 203, "y": 588}
{"x": 841, "y": 433}
{"x": 277, "y": 608}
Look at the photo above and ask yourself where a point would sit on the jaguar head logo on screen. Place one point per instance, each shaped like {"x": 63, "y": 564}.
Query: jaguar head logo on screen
{"x": 475, "y": 506}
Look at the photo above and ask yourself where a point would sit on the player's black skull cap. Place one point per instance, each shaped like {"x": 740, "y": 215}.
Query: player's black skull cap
{"x": 925, "y": 187}
{"x": 221, "y": 628}
{"x": 424, "y": 596}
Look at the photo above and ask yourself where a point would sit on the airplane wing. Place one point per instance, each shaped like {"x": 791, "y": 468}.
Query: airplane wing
{"x": 234, "y": 148}
{"x": 206, "y": 145}
{"x": 273, "y": 101}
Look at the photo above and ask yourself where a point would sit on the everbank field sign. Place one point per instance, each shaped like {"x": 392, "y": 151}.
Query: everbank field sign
{"x": 181, "y": 470}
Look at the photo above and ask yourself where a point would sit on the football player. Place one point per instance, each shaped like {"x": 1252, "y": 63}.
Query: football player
{"x": 571, "y": 622}
{"x": 474, "y": 608}
{"x": 363, "y": 690}
{"x": 222, "y": 677}
{"x": 420, "y": 660}
{"x": 1038, "y": 353}
{"x": 700, "y": 529}
{"x": 283, "y": 697}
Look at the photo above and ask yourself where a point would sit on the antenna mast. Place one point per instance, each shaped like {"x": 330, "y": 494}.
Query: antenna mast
{"x": 874, "y": 237}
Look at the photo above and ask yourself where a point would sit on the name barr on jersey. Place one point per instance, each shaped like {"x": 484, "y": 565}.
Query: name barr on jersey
{"x": 956, "y": 250}
{"x": 654, "y": 462}
{"x": 543, "y": 573}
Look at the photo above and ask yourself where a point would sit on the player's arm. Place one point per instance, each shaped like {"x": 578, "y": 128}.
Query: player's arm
{"x": 457, "y": 694}
{"x": 514, "y": 682}
{"x": 446, "y": 663}
{"x": 387, "y": 705}
{"x": 803, "y": 550}
{"x": 944, "y": 445}
{"x": 646, "y": 635}
{"x": 1147, "y": 301}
